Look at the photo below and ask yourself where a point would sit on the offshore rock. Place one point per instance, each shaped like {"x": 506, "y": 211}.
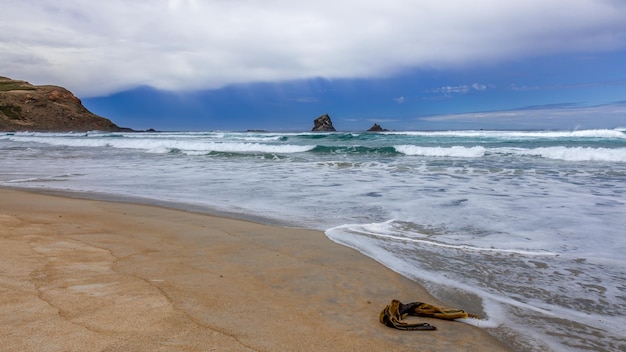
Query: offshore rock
{"x": 323, "y": 123}
{"x": 377, "y": 128}
{"x": 25, "y": 107}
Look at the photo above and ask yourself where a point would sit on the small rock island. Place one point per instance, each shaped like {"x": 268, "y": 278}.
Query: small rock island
{"x": 376, "y": 128}
{"x": 323, "y": 124}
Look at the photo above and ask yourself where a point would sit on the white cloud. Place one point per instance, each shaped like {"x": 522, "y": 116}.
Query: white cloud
{"x": 600, "y": 116}
{"x": 460, "y": 89}
{"x": 400, "y": 99}
{"x": 446, "y": 90}
{"x": 479, "y": 87}
{"x": 98, "y": 47}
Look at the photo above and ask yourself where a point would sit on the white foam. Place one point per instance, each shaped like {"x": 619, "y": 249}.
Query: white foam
{"x": 363, "y": 230}
{"x": 599, "y": 133}
{"x": 163, "y": 145}
{"x": 576, "y": 153}
{"x": 557, "y": 153}
{"x": 454, "y": 151}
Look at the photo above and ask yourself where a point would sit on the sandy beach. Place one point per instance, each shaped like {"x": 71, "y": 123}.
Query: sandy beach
{"x": 87, "y": 275}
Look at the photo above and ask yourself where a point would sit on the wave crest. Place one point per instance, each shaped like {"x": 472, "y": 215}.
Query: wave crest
{"x": 455, "y": 151}
{"x": 577, "y": 153}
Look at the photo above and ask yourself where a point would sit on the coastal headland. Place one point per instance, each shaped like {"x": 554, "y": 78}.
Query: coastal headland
{"x": 47, "y": 108}
{"x": 82, "y": 274}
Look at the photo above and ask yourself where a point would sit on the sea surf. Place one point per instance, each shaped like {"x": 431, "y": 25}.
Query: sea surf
{"x": 525, "y": 228}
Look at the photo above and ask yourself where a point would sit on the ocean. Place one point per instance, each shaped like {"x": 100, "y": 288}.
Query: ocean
{"x": 525, "y": 228}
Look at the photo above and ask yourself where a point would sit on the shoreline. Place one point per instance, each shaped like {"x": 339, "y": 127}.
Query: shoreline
{"x": 165, "y": 204}
{"x": 83, "y": 273}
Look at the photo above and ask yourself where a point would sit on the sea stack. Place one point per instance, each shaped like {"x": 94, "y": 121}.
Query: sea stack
{"x": 323, "y": 124}
{"x": 377, "y": 128}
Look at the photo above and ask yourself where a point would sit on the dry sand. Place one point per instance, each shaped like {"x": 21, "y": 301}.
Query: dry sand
{"x": 84, "y": 275}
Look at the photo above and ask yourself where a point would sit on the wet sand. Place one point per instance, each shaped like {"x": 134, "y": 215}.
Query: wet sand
{"x": 87, "y": 275}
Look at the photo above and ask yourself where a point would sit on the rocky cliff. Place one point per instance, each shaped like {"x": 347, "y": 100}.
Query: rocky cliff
{"x": 25, "y": 107}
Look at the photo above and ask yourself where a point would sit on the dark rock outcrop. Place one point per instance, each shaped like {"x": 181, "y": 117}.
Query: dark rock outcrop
{"x": 377, "y": 128}
{"x": 25, "y": 107}
{"x": 323, "y": 123}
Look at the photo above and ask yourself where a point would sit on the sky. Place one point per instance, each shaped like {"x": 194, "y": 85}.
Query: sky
{"x": 278, "y": 64}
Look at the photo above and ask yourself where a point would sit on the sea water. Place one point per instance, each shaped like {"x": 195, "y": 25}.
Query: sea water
{"x": 525, "y": 228}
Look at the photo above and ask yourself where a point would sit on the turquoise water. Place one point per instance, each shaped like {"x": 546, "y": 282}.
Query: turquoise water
{"x": 525, "y": 228}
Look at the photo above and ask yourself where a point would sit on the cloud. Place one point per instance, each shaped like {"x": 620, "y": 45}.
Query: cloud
{"x": 611, "y": 83}
{"x": 99, "y": 47}
{"x": 547, "y": 116}
{"x": 447, "y": 90}
{"x": 460, "y": 89}
{"x": 399, "y": 100}
{"x": 479, "y": 87}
